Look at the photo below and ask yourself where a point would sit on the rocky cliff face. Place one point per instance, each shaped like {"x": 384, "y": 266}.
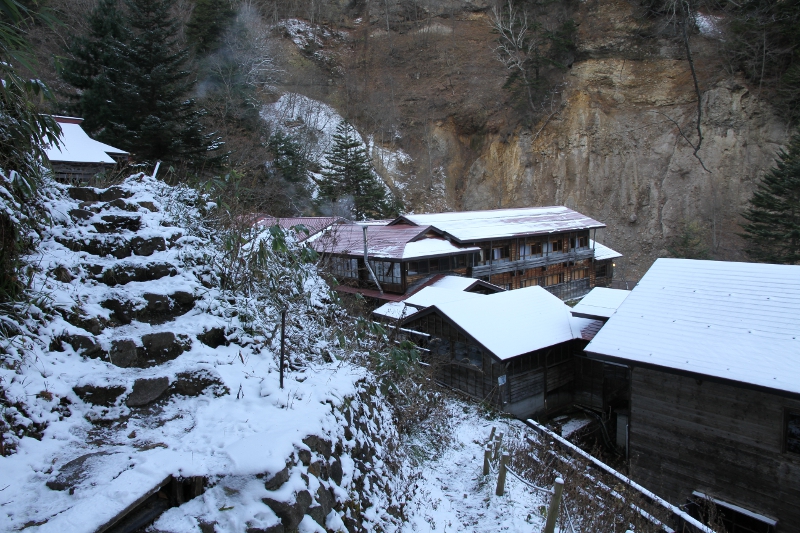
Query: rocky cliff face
{"x": 618, "y": 147}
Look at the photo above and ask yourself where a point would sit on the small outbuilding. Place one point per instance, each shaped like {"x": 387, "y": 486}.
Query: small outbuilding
{"x": 713, "y": 352}
{"x": 78, "y": 158}
{"x": 514, "y": 349}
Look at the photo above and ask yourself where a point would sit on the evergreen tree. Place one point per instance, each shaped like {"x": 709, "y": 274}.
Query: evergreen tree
{"x": 138, "y": 86}
{"x": 90, "y": 61}
{"x": 290, "y": 160}
{"x": 773, "y": 227}
{"x": 207, "y": 23}
{"x": 349, "y": 173}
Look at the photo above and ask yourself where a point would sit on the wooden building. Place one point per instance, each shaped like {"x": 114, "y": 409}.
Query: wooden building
{"x": 549, "y": 247}
{"x": 514, "y": 349}
{"x": 712, "y": 350}
{"x": 78, "y": 158}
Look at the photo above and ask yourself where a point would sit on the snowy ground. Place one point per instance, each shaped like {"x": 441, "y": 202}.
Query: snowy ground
{"x": 453, "y": 495}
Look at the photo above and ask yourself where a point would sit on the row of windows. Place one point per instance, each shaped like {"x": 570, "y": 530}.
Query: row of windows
{"x": 440, "y": 264}
{"x": 503, "y": 253}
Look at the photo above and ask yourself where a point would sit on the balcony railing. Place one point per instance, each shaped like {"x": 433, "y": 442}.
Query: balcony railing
{"x": 570, "y": 290}
{"x": 498, "y": 267}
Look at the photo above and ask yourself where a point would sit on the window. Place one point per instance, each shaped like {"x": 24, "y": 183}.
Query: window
{"x": 554, "y": 279}
{"x": 792, "y": 432}
{"x": 417, "y": 267}
{"x": 601, "y": 271}
{"x": 386, "y": 271}
{"x": 459, "y": 261}
{"x": 557, "y": 246}
{"x": 578, "y": 242}
{"x": 580, "y": 273}
{"x": 501, "y": 253}
{"x": 343, "y": 267}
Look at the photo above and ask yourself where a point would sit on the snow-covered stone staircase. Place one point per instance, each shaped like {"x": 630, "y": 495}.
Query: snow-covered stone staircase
{"x": 139, "y": 386}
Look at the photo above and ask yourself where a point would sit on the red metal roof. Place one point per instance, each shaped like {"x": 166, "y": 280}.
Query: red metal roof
{"x": 591, "y": 329}
{"x": 372, "y": 293}
{"x": 314, "y": 224}
{"x": 384, "y": 241}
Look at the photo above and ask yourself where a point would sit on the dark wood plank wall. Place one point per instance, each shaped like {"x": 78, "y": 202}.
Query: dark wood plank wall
{"x": 719, "y": 439}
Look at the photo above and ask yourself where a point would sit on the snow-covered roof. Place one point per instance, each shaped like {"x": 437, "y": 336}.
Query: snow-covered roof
{"x": 461, "y": 283}
{"x": 735, "y": 321}
{"x": 513, "y": 323}
{"x": 424, "y": 298}
{"x": 77, "y": 147}
{"x": 387, "y": 242}
{"x": 601, "y": 251}
{"x": 469, "y": 226}
{"x": 600, "y": 303}
{"x": 313, "y": 224}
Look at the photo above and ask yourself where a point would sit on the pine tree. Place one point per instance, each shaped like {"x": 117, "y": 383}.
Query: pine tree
{"x": 138, "y": 86}
{"x": 90, "y": 61}
{"x": 207, "y": 23}
{"x": 774, "y": 212}
{"x": 349, "y": 173}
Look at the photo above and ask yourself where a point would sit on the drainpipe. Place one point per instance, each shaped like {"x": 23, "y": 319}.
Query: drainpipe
{"x": 366, "y": 261}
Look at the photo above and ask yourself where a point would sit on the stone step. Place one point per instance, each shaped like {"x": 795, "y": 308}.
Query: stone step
{"x": 118, "y": 223}
{"x": 117, "y": 246}
{"x": 159, "y": 308}
{"x": 90, "y": 194}
{"x": 156, "y": 349}
{"x": 122, "y": 274}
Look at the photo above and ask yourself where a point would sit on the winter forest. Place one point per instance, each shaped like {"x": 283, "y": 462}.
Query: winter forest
{"x": 274, "y": 266}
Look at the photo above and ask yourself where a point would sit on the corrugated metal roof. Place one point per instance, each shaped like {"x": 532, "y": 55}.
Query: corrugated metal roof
{"x": 601, "y": 251}
{"x": 469, "y": 226}
{"x": 313, "y": 224}
{"x": 386, "y": 242}
{"x": 735, "y": 321}
{"x": 600, "y": 302}
{"x": 513, "y": 323}
{"x": 426, "y": 297}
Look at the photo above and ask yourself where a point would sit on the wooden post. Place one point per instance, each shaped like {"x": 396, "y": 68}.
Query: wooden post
{"x": 555, "y": 505}
{"x": 283, "y": 335}
{"x": 498, "y": 443}
{"x": 487, "y": 457}
{"x": 501, "y": 476}
{"x": 491, "y": 435}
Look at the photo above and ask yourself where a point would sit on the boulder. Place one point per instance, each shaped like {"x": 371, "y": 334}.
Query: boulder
{"x": 80, "y": 214}
{"x": 335, "y": 471}
{"x": 124, "y": 353}
{"x": 146, "y": 391}
{"x": 150, "y": 206}
{"x": 114, "y": 193}
{"x": 84, "y": 345}
{"x": 74, "y": 471}
{"x": 213, "y": 338}
{"x": 146, "y": 247}
{"x": 319, "y": 445}
{"x": 196, "y": 382}
{"x": 105, "y": 395}
{"x": 162, "y": 347}
{"x": 291, "y": 514}
{"x": 118, "y": 223}
{"x": 325, "y": 503}
{"x": 83, "y": 194}
{"x": 277, "y": 481}
{"x": 119, "y": 203}
{"x": 125, "y": 273}
{"x": 121, "y": 312}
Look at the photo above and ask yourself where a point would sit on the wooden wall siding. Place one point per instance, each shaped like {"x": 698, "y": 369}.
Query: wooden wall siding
{"x": 721, "y": 440}
{"x": 544, "y": 277}
{"x": 589, "y": 383}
